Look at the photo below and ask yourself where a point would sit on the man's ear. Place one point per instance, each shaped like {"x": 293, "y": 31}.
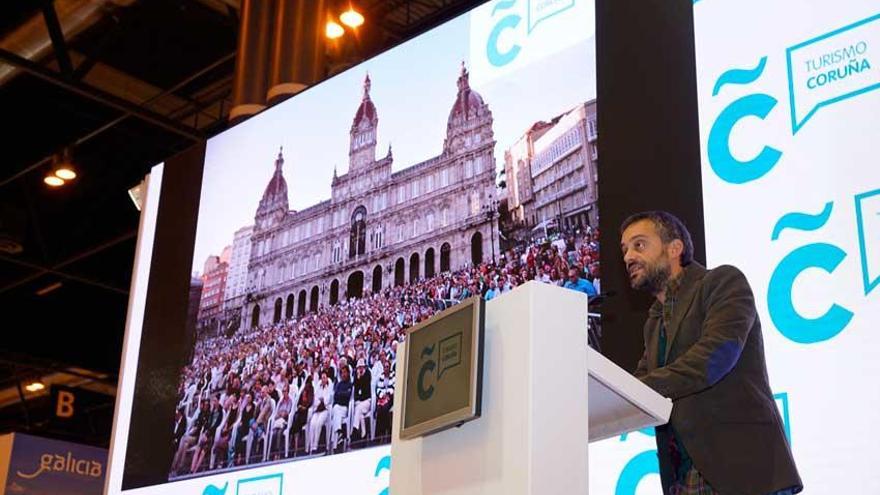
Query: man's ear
{"x": 675, "y": 248}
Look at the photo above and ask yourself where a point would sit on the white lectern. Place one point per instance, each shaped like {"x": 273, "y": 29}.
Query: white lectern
{"x": 540, "y": 406}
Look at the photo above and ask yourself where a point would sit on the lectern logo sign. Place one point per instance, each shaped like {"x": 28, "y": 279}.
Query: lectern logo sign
{"x": 448, "y": 355}
{"x": 442, "y": 378}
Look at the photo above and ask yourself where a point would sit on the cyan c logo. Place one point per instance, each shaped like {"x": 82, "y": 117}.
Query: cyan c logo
{"x": 213, "y": 490}
{"x": 789, "y": 322}
{"x": 497, "y": 58}
{"x": 637, "y": 468}
{"x": 427, "y": 367}
{"x": 722, "y": 161}
{"x": 383, "y": 465}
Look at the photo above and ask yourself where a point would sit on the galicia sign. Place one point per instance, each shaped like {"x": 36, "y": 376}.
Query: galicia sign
{"x": 65, "y": 464}
{"x": 40, "y": 465}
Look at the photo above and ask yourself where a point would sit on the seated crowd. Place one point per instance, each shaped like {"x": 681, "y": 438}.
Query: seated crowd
{"x": 330, "y": 375}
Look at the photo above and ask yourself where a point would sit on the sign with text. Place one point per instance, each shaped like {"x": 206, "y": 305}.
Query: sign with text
{"x": 76, "y": 410}
{"x": 789, "y": 128}
{"x": 40, "y": 466}
{"x": 442, "y": 386}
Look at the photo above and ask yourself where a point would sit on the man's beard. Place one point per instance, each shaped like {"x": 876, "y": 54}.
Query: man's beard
{"x": 654, "y": 279}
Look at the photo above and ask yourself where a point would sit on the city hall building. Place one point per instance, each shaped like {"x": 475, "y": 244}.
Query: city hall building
{"x": 379, "y": 228}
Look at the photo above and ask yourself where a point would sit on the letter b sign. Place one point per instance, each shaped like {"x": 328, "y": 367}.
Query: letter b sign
{"x": 64, "y": 404}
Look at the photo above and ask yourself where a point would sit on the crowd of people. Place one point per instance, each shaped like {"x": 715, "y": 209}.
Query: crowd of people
{"x": 250, "y": 397}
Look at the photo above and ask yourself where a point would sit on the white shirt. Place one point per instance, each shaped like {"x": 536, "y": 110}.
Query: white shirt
{"x": 322, "y": 392}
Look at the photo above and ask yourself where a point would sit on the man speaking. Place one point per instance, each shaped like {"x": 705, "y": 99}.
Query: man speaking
{"x": 704, "y": 350}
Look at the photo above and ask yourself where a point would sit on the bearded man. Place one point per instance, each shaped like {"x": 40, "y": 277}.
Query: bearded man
{"x": 704, "y": 350}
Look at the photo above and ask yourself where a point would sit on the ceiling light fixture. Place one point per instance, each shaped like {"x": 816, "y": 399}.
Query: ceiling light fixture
{"x": 352, "y": 18}
{"x": 62, "y": 169}
{"x": 63, "y": 164}
{"x": 34, "y": 386}
{"x": 53, "y": 181}
{"x": 66, "y": 173}
{"x": 333, "y": 30}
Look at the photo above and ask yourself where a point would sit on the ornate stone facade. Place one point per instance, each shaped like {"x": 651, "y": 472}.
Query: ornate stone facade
{"x": 379, "y": 227}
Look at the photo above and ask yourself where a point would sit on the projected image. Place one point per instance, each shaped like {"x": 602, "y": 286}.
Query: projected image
{"x": 335, "y": 221}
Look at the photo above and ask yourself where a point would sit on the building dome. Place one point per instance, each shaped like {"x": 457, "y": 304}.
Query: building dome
{"x": 277, "y": 187}
{"x": 273, "y": 205}
{"x": 366, "y": 110}
{"x": 468, "y": 104}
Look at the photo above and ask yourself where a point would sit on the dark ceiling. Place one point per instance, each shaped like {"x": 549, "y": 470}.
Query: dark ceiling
{"x": 126, "y": 83}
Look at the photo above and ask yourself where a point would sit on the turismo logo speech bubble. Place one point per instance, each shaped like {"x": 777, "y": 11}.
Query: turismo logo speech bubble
{"x": 868, "y": 222}
{"x": 270, "y": 484}
{"x": 450, "y": 353}
{"x": 832, "y": 68}
{"x": 540, "y": 10}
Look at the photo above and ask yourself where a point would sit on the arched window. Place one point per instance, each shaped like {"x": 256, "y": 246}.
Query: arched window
{"x": 301, "y": 304}
{"x": 255, "y": 316}
{"x": 334, "y": 292}
{"x": 276, "y": 317}
{"x": 414, "y": 268}
{"x": 313, "y": 300}
{"x": 429, "y": 263}
{"x": 399, "y": 273}
{"x": 377, "y": 279}
{"x": 477, "y": 248}
{"x": 445, "y": 251}
{"x": 358, "y": 237}
{"x": 288, "y": 310}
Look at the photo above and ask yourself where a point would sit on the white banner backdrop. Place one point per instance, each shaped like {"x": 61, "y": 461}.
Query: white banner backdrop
{"x": 789, "y": 105}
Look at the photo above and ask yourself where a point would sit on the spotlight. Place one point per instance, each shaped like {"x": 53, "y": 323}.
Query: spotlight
{"x": 351, "y": 18}
{"x": 34, "y": 386}
{"x": 53, "y": 181}
{"x": 333, "y": 30}
{"x": 63, "y": 169}
{"x": 65, "y": 172}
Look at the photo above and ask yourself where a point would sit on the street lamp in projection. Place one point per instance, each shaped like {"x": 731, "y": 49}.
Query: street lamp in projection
{"x": 490, "y": 210}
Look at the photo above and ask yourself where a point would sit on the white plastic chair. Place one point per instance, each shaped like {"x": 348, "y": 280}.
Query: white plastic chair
{"x": 271, "y": 430}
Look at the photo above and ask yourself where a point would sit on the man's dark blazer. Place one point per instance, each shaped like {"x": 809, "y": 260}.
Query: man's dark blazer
{"x": 723, "y": 410}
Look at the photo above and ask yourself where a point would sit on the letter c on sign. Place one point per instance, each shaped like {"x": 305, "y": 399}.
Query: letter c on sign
{"x": 425, "y": 393}
{"x": 64, "y": 407}
{"x": 723, "y": 163}
{"x": 789, "y": 322}
{"x": 637, "y": 468}
{"x": 497, "y": 58}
